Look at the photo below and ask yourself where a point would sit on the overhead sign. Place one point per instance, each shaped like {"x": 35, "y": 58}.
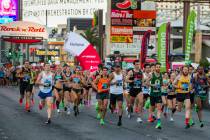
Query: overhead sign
{"x": 42, "y": 52}
{"x": 24, "y": 29}
{"x": 8, "y": 11}
{"x": 59, "y": 10}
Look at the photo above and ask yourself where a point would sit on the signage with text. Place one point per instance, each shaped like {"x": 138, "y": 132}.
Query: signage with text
{"x": 126, "y": 4}
{"x": 42, "y": 52}
{"x": 121, "y": 30}
{"x": 122, "y": 39}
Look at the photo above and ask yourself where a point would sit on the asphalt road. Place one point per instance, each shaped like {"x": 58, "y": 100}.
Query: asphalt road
{"x": 16, "y": 124}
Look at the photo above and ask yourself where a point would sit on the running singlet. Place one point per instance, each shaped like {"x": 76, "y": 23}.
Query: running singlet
{"x": 201, "y": 86}
{"x": 171, "y": 89}
{"x": 118, "y": 87}
{"x": 157, "y": 81}
{"x": 137, "y": 80}
{"x": 58, "y": 77}
{"x": 145, "y": 89}
{"x": 165, "y": 86}
{"x": 47, "y": 80}
{"x": 103, "y": 84}
{"x": 183, "y": 84}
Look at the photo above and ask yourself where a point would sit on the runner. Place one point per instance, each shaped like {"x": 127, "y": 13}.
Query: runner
{"x": 201, "y": 91}
{"x": 67, "y": 90}
{"x": 25, "y": 87}
{"x": 134, "y": 78}
{"x": 164, "y": 90}
{"x": 77, "y": 84}
{"x": 183, "y": 87}
{"x": 58, "y": 87}
{"x": 192, "y": 94}
{"x": 87, "y": 88}
{"x": 116, "y": 91}
{"x": 155, "y": 95}
{"x": 102, "y": 86}
{"x": 45, "y": 82}
{"x": 126, "y": 94}
{"x": 171, "y": 96}
{"x": 146, "y": 87}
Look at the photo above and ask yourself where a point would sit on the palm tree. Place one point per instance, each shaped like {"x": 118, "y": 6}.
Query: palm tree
{"x": 91, "y": 35}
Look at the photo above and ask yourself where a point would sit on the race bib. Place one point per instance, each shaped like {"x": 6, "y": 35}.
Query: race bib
{"x": 185, "y": 86}
{"x": 119, "y": 83}
{"x": 26, "y": 78}
{"x": 76, "y": 80}
{"x": 145, "y": 90}
{"x": 137, "y": 83}
{"x": 104, "y": 86}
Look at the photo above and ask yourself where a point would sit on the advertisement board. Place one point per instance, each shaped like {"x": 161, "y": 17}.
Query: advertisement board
{"x": 58, "y": 11}
{"x": 126, "y": 4}
{"x": 42, "y": 52}
{"x": 122, "y": 31}
{"x": 121, "y": 39}
{"x": 8, "y": 11}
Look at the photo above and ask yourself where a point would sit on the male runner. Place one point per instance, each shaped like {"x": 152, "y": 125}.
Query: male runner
{"x": 45, "y": 82}
{"x": 134, "y": 78}
{"x": 183, "y": 86}
{"x": 116, "y": 91}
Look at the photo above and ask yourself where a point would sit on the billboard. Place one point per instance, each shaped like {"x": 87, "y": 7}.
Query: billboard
{"x": 58, "y": 11}
{"x": 8, "y": 11}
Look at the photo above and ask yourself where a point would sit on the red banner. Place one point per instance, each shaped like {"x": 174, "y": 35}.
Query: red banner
{"x": 89, "y": 59}
{"x": 144, "y": 47}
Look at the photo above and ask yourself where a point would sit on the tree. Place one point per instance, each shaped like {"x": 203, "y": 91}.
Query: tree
{"x": 91, "y": 35}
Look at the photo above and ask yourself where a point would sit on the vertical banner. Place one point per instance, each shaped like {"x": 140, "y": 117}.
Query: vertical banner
{"x": 168, "y": 38}
{"x": 144, "y": 47}
{"x": 189, "y": 35}
{"x": 162, "y": 46}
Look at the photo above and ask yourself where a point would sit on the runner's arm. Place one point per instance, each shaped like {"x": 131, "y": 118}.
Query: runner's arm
{"x": 128, "y": 77}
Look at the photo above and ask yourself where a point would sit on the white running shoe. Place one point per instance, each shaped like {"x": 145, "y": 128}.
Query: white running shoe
{"x": 129, "y": 115}
{"x": 68, "y": 111}
{"x": 139, "y": 120}
{"x": 58, "y": 110}
{"x": 171, "y": 119}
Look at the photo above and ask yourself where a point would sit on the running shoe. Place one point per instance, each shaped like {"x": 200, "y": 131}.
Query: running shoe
{"x": 68, "y": 111}
{"x": 187, "y": 126}
{"x": 98, "y": 116}
{"x": 201, "y": 124}
{"x": 48, "y": 121}
{"x": 171, "y": 119}
{"x": 119, "y": 123}
{"x": 150, "y": 119}
{"x": 129, "y": 115}
{"x": 40, "y": 106}
{"x": 65, "y": 108}
{"x": 102, "y": 122}
{"x": 158, "y": 126}
{"x": 58, "y": 110}
{"x": 139, "y": 120}
{"x": 21, "y": 101}
{"x": 192, "y": 122}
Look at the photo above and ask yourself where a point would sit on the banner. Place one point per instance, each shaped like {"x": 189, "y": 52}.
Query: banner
{"x": 89, "y": 59}
{"x": 189, "y": 35}
{"x": 162, "y": 47}
{"x": 144, "y": 47}
{"x": 168, "y": 38}
{"x": 83, "y": 50}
